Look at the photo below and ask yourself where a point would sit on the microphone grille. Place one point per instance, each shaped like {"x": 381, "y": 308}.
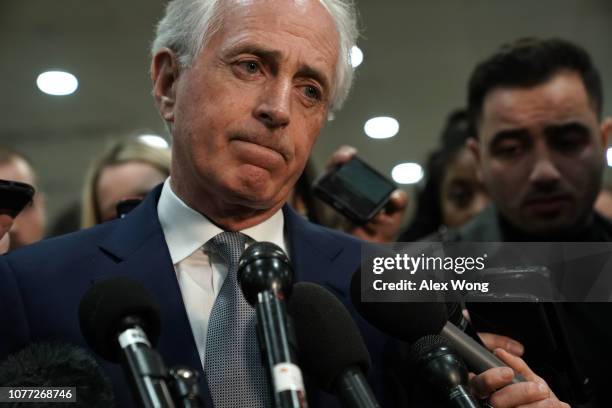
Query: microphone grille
{"x": 425, "y": 345}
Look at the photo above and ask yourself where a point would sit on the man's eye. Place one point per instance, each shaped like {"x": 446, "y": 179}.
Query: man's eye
{"x": 250, "y": 67}
{"x": 312, "y": 92}
{"x": 507, "y": 150}
{"x": 569, "y": 141}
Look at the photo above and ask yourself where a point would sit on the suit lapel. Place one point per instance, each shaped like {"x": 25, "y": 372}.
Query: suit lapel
{"x": 317, "y": 255}
{"x": 138, "y": 247}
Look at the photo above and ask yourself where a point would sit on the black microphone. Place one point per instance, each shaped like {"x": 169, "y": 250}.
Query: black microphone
{"x": 443, "y": 371}
{"x": 332, "y": 350}
{"x": 266, "y": 279}
{"x": 184, "y": 387}
{"x": 58, "y": 365}
{"x": 421, "y": 319}
{"x": 120, "y": 321}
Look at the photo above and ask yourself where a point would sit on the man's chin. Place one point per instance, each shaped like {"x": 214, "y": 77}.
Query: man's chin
{"x": 256, "y": 199}
{"x": 547, "y": 227}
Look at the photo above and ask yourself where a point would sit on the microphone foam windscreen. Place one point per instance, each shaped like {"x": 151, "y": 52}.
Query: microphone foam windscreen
{"x": 407, "y": 321}
{"x": 58, "y": 365}
{"x": 328, "y": 338}
{"x": 104, "y": 307}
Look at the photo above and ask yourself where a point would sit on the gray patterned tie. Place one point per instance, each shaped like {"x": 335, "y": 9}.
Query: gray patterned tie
{"x": 234, "y": 369}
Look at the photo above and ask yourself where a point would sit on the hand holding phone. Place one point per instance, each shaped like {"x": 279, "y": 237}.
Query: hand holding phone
{"x": 14, "y": 197}
{"x": 355, "y": 189}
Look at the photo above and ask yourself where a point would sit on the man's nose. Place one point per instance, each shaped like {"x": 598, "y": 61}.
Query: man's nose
{"x": 545, "y": 171}
{"x": 274, "y": 105}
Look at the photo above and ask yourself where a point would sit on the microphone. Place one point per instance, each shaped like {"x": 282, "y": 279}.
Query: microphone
{"x": 58, "y": 365}
{"x": 421, "y": 319}
{"x": 120, "y": 320}
{"x": 443, "y": 371}
{"x": 456, "y": 317}
{"x": 331, "y": 348}
{"x": 266, "y": 278}
{"x": 184, "y": 387}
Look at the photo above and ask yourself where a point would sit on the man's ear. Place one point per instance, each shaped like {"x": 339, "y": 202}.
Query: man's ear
{"x": 473, "y": 145}
{"x": 164, "y": 75}
{"x": 605, "y": 129}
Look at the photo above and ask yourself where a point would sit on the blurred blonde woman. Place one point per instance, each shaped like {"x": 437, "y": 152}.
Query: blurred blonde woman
{"x": 128, "y": 169}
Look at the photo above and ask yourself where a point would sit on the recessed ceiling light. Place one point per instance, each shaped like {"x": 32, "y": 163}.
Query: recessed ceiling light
{"x": 382, "y": 127}
{"x": 609, "y": 156}
{"x": 356, "y": 56}
{"x": 407, "y": 173}
{"x": 154, "y": 141}
{"x": 57, "y": 83}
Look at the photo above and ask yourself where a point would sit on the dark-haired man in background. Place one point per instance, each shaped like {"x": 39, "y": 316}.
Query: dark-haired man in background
{"x": 537, "y": 108}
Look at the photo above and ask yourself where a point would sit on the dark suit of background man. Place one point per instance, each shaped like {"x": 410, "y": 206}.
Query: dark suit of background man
{"x": 244, "y": 108}
{"x": 537, "y": 107}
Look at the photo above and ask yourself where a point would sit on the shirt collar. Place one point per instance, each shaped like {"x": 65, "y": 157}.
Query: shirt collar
{"x": 186, "y": 230}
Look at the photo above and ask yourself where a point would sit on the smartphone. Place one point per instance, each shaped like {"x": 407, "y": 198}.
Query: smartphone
{"x": 355, "y": 189}
{"x": 14, "y": 197}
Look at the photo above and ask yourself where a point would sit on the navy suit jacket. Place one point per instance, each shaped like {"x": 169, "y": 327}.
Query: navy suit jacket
{"x": 41, "y": 287}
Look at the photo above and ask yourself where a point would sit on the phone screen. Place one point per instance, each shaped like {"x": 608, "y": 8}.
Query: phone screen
{"x": 355, "y": 189}
{"x": 362, "y": 181}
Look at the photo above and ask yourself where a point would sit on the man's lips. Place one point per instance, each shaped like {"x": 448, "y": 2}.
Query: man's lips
{"x": 257, "y": 154}
{"x": 547, "y": 204}
{"x": 263, "y": 145}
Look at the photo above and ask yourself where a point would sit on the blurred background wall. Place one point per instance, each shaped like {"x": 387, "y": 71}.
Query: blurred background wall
{"x": 418, "y": 55}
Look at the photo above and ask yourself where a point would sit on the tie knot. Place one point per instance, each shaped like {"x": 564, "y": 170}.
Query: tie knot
{"x": 230, "y": 246}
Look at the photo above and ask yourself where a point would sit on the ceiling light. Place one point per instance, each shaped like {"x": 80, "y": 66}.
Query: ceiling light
{"x": 154, "y": 141}
{"x": 356, "y": 56}
{"x": 609, "y": 156}
{"x": 57, "y": 83}
{"x": 407, "y": 173}
{"x": 382, "y": 127}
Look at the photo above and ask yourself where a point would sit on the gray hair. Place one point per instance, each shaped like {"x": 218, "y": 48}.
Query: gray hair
{"x": 188, "y": 24}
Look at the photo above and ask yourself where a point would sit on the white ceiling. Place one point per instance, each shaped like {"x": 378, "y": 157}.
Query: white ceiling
{"x": 418, "y": 56}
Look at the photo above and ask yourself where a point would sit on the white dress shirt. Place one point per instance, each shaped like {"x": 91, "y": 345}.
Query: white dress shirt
{"x": 199, "y": 270}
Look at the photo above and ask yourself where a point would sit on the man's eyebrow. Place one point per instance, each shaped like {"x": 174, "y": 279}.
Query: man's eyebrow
{"x": 514, "y": 134}
{"x": 571, "y": 126}
{"x": 262, "y": 52}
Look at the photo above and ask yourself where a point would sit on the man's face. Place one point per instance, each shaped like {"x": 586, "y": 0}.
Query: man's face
{"x": 542, "y": 152}
{"x": 249, "y": 109}
{"x": 29, "y": 225}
